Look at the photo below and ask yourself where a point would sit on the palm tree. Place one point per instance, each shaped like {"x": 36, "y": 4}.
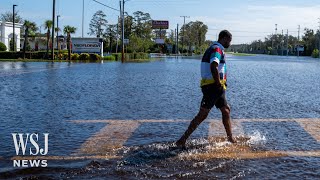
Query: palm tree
{"x": 28, "y": 27}
{"x": 48, "y": 26}
{"x": 69, "y": 30}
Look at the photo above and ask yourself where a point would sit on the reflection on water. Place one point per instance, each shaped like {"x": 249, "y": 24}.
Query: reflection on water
{"x": 44, "y": 97}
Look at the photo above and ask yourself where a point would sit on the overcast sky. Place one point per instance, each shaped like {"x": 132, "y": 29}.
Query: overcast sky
{"x": 247, "y": 20}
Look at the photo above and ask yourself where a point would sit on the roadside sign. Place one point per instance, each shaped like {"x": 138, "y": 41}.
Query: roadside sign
{"x": 126, "y": 41}
{"x": 160, "y": 24}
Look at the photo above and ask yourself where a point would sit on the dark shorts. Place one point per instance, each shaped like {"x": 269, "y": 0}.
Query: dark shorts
{"x": 213, "y": 96}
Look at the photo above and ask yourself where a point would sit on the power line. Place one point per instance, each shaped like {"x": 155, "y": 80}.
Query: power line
{"x": 105, "y": 5}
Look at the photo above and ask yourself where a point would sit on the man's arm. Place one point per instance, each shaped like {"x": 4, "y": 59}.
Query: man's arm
{"x": 215, "y": 73}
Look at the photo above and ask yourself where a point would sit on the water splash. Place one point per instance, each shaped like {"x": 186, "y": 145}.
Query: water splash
{"x": 256, "y": 138}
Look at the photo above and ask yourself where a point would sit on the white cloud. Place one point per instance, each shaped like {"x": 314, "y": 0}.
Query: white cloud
{"x": 255, "y": 22}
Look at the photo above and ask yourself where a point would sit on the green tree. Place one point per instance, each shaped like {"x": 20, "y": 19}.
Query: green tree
{"x": 29, "y": 28}
{"x": 68, "y": 30}
{"x": 8, "y": 16}
{"x": 195, "y": 34}
{"x": 98, "y": 24}
{"x": 309, "y": 40}
{"x": 142, "y": 25}
{"x": 48, "y": 26}
{"x": 3, "y": 47}
{"x": 110, "y": 35}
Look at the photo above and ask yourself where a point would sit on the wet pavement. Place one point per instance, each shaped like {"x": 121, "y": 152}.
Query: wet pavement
{"x": 114, "y": 120}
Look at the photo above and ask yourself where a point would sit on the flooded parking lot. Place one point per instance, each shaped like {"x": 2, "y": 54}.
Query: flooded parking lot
{"x": 119, "y": 120}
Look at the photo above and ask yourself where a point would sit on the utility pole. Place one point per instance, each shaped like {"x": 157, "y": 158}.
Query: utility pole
{"x": 184, "y": 23}
{"x": 319, "y": 37}
{"x": 177, "y": 41}
{"x": 117, "y": 34}
{"x": 287, "y": 42}
{"x": 52, "y": 34}
{"x": 298, "y": 33}
{"x": 82, "y": 17}
{"x": 13, "y": 23}
{"x": 282, "y": 42}
{"x": 58, "y": 33}
{"x": 122, "y": 14}
{"x": 276, "y": 38}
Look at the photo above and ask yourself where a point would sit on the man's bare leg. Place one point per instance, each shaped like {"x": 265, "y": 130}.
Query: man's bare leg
{"x": 201, "y": 116}
{"x": 226, "y": 122}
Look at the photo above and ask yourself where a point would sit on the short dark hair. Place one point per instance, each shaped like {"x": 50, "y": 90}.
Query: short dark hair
{"x": 224, "y": 33}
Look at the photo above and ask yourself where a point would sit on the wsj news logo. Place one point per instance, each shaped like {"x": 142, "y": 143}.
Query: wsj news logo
{"x": 28, "y": 143}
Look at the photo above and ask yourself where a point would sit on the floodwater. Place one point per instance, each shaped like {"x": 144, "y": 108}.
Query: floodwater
{"x": 113, "y": 120}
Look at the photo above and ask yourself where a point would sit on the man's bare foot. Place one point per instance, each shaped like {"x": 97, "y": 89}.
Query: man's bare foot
{"x": 232, "y": 140}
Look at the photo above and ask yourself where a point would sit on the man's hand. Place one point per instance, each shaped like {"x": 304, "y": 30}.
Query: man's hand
{"x": 215, "y": 74}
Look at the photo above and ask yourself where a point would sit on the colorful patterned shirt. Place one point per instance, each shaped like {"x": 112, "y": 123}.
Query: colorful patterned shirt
{"x": 215, "y": 53}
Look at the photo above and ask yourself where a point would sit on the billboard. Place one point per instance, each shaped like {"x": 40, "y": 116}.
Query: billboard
{"x": 87, "y": 45}
{"x": 160, "y": 24}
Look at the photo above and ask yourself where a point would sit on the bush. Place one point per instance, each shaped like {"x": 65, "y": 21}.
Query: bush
{"x": 74, "y": 56}
{"x": 315, "y": 53}
{"x": 109, "y": 58}
{"x": 3, "y": 47}
{"x": 65, "y": 56}
{"x": 95, "y": 57}
{"x": 84, "y": 56}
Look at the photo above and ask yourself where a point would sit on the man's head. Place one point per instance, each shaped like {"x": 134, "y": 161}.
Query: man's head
{"x": 225, "y": 38}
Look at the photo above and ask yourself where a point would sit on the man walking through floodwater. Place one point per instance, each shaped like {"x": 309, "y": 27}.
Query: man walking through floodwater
{"x": 213, "y": 85}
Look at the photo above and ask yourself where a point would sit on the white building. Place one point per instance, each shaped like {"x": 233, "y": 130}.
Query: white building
{"x": 6, "y": 34}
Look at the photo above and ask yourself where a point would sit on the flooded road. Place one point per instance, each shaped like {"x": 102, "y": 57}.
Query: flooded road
{"x": 116, "y": 120}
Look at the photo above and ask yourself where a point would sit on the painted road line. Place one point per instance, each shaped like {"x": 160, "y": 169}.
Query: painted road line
{"x": 208, "y": 120}
{"x": 216, "y": 154}
{"x": 312, "y": 127}
{"x": 64, "y": 157}
{"x": 117, "y": 121}
{"x": 248, "y": 155}
{"x": 111, "y": 137}
{"x": 216, "y": 128}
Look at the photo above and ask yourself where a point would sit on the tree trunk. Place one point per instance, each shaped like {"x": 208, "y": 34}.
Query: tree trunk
{"x": 48, "y": 38}
{"x": 69, "y": 46}
{"x": 25, "y": 42}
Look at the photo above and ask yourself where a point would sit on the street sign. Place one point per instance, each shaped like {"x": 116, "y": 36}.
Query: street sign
{"x": 126, "y": 41}
{"x": 159, "y": 41}
{"x": 160, "y": 24}
{"x": 87, "y": 45}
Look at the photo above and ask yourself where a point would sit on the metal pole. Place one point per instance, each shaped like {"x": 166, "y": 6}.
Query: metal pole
{"x": 298, "y": 40}
{"x": 177, "y": 38}
{"x": 82, "y": 17}
{"x": 13, "y": 23}
{"x": 122, "y": 58}
{"x": 52, "y": 38}
{"x": 58, "y": 31}
{"x": 184, "y": 23}
{"x": 282, "y": 41}
{"x": 319, "y": 37}
{"x": 117, "y": 34}
{"x": 287, "y": 42}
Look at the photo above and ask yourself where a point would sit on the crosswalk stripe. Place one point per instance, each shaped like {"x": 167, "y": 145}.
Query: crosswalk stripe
{"x": 187, "y": 156}
{"x": 64, "y": 157}
{"x": 216, "y": 128}
{"x": 312, "y": 127}
{"x": 249, "y": 155}
{"x": 208, "y": 120}
{"x": 111, "y": 137}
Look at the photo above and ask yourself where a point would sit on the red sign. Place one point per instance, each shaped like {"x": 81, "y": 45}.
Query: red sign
{"x": 160, "y": 24}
